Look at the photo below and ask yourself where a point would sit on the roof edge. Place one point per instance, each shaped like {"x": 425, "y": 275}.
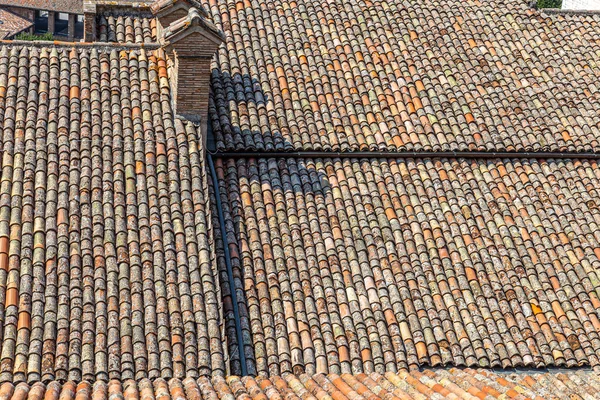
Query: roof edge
{"x": 83, "y": 45}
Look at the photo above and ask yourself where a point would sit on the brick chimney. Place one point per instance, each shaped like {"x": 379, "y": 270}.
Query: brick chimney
{"x": 89, "y": 21}
{"x": 169, "y": 11}
{"x": 191, "y": 43}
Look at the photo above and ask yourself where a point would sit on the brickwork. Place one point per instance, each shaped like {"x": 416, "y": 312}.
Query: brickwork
{"x": 71, "y": 28}
{"x": 89, "y": 27}
{"x": 51, "y": 21}
{"x": 193, "y": 86}
{"x": 191, "y": 42}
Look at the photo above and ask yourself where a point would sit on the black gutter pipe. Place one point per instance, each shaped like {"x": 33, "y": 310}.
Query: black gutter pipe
{"x": 405, "y": 154}
{"x": 236, "y": 311}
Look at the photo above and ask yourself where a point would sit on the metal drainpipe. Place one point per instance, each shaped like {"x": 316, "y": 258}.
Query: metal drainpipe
{"x": 236, "y": 312}
{"x": 405, "y": 154}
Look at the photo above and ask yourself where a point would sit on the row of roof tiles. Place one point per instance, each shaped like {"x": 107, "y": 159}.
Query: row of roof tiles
{"x": 361, "y": 265}
{"x": 430, "y": 384}
{"x": 106, "y": 263}
{"x": 404, "y": 75}
{"x": 126, "y": 28}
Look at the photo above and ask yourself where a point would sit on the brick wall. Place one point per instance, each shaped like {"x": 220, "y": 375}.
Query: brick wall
{"x": 195, "y": 45}
{"x": 190, "y": 71}
{"x": 193, "y": 86}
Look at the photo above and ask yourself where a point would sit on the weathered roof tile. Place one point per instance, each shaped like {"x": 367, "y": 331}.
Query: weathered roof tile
{"x": 105, "y": 244}
{"x": 413, "y": 75}
{"x": 362, "y": 265}
{"x": 465, "y": 384}
{"x": 11, "y": 24}
{"x": 126, "y": 27}
{"x": 68, "y": 6}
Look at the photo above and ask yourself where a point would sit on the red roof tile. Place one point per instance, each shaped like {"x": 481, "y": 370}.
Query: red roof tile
{"x": 106, "y": 257}
{"x": 404, "y": 75}
{"x": 70, "y": 6}
{"x": 430, "y": 384}
{"x": 126, "y": 27}
{"x": 361, "y": 265}
{"x": 357, "y": 268}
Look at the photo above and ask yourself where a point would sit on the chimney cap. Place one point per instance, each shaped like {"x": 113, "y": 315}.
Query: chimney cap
{"x": 166, "y": 6}
{"x": 192, "y": 23}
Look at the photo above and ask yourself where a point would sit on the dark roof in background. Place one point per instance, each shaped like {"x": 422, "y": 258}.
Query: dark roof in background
{"x": 106, "y": 256}
{"x": 429, "y": 384}
{"x": 12, "y": 24}
{"x": 69, "y": 6}
{"x": 405, "y": 75}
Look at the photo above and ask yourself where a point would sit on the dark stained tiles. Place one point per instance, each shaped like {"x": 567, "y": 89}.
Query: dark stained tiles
{"x": 404, "y": 75}
{"x": 361, "y": 265}
{"x": 464, "y": 384}
{"x": 126, "y": 28}
{"x": 106, "y": 263}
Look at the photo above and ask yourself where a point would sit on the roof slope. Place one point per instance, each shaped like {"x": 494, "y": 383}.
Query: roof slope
{"x": 70, "y": 6}
{"x": 12, "y": 24}
{"x": 105, "y": 239}
{"x": 404, "y": 75}
{"x": 360, "y": 265}
{"x": 430, "y": 384}
{"x": 126, "y": 27}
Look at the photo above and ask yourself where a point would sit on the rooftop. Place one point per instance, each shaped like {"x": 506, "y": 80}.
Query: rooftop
{"x": 105, "y": 242}
{"x": 407, "y": 191}
{"x": 405, "y": 75}
{"x": 129, "y": 27}
{"x": 429, "y": 384}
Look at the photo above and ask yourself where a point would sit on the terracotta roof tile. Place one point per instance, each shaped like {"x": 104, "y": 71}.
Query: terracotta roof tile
{"x": 126, "y": 28}
{"x": 439, "y": 384}
{"x": 105, "y": 240}
{"x": 72, "y": 6}
{"x": 362, "y": 265}
{"x": 12, "y": 24}
{"x": 349, "y": 272}
{"x": 404, "y": 75}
